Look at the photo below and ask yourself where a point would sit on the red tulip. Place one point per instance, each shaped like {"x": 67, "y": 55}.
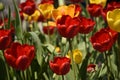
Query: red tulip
{"x": 91, "y": 68}
{"x": 48, "y": 29}
{"x": 60, "y": 65}
{"x": 5, "y": 38}
{"x": 111, "y": 6}
{"x": 104, "y": 39}
{"x": 94, "y": 9}
{"x": 86, "y": 25}
{"x": 68, "y": 27}
{"x": 19, "y": 56}
{"x": 78, "y": 9}
{"x": 28, "y": 7}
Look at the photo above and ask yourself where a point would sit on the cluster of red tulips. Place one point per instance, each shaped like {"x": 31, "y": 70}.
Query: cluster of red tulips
{"x": 61, "y": 40}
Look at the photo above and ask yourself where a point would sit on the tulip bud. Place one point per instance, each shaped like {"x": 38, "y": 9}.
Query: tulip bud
{"x": 1, "y": 6}
{"x": 77, "y": 56}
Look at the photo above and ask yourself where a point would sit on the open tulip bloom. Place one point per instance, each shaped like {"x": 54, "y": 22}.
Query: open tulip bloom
{"x": 59, "y": 39}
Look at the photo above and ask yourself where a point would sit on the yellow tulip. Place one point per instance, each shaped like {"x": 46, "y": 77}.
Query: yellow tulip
{"x": 77, "y": 56}
{"x": 113, "y": 19}
{"x": 101, "y": 2}
{"x": 33, "y": 17}
{"x": 46, "y": 10}
{"x": 64, "y": 10}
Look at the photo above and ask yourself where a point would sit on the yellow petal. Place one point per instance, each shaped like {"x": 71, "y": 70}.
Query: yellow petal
{"x": 51, "y": 23}
{"x": 35, "y": 15}
{"x": 46, "y": 9}
{"x": 56, "y": 14}
{"x": 71, "y": 10}
{"x": 113, "y": 19}
{"x": 116, "y": 26}
{"x": 101, "y": 2}
{"x": 77, "y": 56}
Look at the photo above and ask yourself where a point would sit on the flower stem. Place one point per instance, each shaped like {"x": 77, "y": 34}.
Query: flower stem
{"x": 108, "y": 69}
{"x": 62, "y": 77}
{"x": 71, "y": 56}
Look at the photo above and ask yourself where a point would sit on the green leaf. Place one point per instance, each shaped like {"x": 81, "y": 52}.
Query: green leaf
{"x": 103, "y": 70}
{"x": 38, "y": 46}
{"x": 9, "y": 18}
{"x": 18, "y": 27}
{"x": 3, "y": 70}
{"x": 83, "y": 69}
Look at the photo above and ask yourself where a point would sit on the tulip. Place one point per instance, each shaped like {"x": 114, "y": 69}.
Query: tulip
{"x": 86, "y": 25}
{"x": 48, "y": 29}
{"x": 113, "y": 19}
{"x": 91, "y": 68}
{"x": 71, "y": 10}
{"x": 28, "y": 7}
{"x": 5, "y": 38}
{"x": 60, "y": 65}
{"x": 104, "y": 39}
{"x": 113, "y": 5}
{"x": 19, "y": 56}
{"x": 77, "y": 56}
{"x": 46, "y": 10}
{"x": 68, "y": 27}
{"x": 110, "y": 6}
{"x": 94, "y": 9}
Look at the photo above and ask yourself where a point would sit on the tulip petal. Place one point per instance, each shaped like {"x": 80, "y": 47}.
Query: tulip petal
{"x": 64, "y": 68}
{"x": 22, "y": 62}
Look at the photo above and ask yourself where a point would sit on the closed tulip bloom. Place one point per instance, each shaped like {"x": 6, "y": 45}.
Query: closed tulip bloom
{"x": 68, "y": 27}
{"x": 60, "y": 65}
{"x": 94, "y": 10}
{"x": 104, "y": 39}
{"x": 86, "y": 25}
{"x": 113, "y": 19}
{"x": 77, "y": 56}
{"x": 91, "y": 68}
{"x": 19, "y": 56}
{"x": 28, "y": 7}
{"x": 5, "y": 38}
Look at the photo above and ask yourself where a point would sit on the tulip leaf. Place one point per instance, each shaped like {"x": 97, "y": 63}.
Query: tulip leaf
{"x": 9, "y": 18}
{"x": 18, "y": 27}
{"x": 69, "y": 76}
{"x": 3, "y": 70}
{"x": 38, "y": 46}
{"x": 103, "y": 70}
{"x": 50, "y": 48}
{"x": 83, "y": 69}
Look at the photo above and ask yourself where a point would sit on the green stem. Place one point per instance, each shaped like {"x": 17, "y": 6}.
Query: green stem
{"x": 71, "y": 56}
{"x": 106, "y": 62}
{"x": 118, "y": 55}
{"x": 62, "y": 77}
